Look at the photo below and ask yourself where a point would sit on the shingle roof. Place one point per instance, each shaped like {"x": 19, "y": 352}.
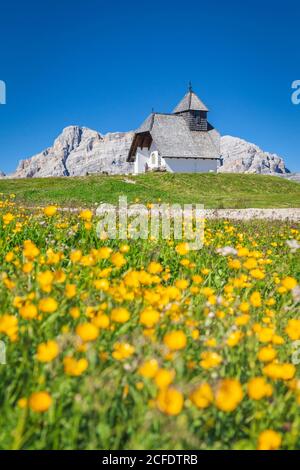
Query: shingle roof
{"x": 190, "y": 102}
{"x": 172, "y": 136}
{"x": 173, "y": 139}
{"x": 208, "y": 143}
{"x": 146, "y": 126}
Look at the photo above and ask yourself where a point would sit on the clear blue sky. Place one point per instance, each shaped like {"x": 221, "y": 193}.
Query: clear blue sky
{"x": 105, "y": 64}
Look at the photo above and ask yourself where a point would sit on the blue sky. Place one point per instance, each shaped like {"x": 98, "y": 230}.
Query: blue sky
{"x": 104, "y": 65}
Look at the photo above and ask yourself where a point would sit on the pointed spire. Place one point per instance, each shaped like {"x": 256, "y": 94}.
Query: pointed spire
{"x": 190, "y": 102}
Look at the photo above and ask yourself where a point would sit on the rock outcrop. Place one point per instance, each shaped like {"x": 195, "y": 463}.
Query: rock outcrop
{"x": 240, "y": 156}
{"x": 79, "y": 151}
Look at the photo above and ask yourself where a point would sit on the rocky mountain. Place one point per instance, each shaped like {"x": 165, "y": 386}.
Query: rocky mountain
{"x": 2, "y": 175}
{"x": 292, "y": 177}
{"x": 240, "y": 156}
{"x": 79, "y": 151}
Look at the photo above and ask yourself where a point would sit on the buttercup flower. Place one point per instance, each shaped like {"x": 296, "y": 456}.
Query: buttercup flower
{"x": 202, "y": 396}
{"x": 170, "y": 401}
{"x": 293, "y": 329}
{"x": 87, "y": 332}
{"x": 228, "y": 395}
{"x": 164, "y": 377}
{"x": 258, "y": 388}
{"x": 48, "y": 351}
{"x": 122, "y": 351}
{"x": 269, "y": 440}
{"x": 40, "y": 401}
{"x": 48, "y": 305}
{"x": 149, "y": 317}
{"x": 149, "y": 368}
{"x": 75, "y": 367}
{"x": 210, "y": 359}
{"x": 120, "y": 315}
{"x": 175, "y": 340}
{"x": 50, "y": 211}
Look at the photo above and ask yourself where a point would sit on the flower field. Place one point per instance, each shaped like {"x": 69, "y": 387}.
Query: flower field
{"x": 143, "y": 344}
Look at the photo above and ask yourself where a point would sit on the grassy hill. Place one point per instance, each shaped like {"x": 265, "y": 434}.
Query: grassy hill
{"x": 212, "y": 190}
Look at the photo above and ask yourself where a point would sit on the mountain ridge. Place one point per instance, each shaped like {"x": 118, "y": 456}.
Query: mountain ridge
{"x": 79, "y": 151}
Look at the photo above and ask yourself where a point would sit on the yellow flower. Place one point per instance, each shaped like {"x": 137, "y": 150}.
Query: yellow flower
{"x": 255, "y": 299}
{"x": 9, "y": 256}
{"x": 269, "y": 440}
{"x": 101, "y": 284}
{"x": 148, "y": 369}
{"x": 86, "y": 215}
{"x": 70, "y": 291}
{"x": 28, "y": 311}
{"x": 164, "y": 377}
{"x": 122, "y": 351}
{"x": 207, "y": 291}
{"x": 124, "y": 248}
{"x": 210, "y": 359}
{"x": 104, "y": 252}
{"x": 228, "y": 395}
{"x": 75, "y": 312}
{"x": 149, "y": 317}
{"x": 45, "y": 280}
{"x": 195, "y": 334}
{"x": 75, "y": 367}
{"x": 181, "y": 284}
{"x": 276, "y": 339}
{"x": 9, "y": 326}
{"x": 8, "y": 218}
{"x": 267, "y": 354}
{"x": 289, "y": 282}
{"x": 293, "y": 329}
{"x": 170, "y": 401}
{"x": 40, "y": 401}
{"x": 244, "y": 307}
{"x": 234, "y": 338}
{"x": 242, "y": 320}
{"x": 101, "y": 321}
{"x": 251, "y": 263}
{"x": 87, "y": 332}
{"x": 265, "y": 335}
{"x": 202, "y": 396}
{"x": 182, "y": 249}
{"x": 118, "y": 260}
{"x": 154, "y": 268}
{"x": 48, "y": 351}
{"x": 283, "y": 371}
{"x": 205, "y": 271}
{"x": 175, "y": 340}
{"x": 197, "y": 279}
{"x": 30, "y": 250}
{"x": 258, "y": 388}
{"x": 76, "y": 256}
{"x": 27, "y": 268}
{"x": 243, "y": 251}
{"x": 234, "y": 264}
{"x": 48, "y": 305}
{"x": 50, "y": 211}
{"x": 120, "y": 315}
{"x": 257, "y": 274}
{"x": 22, "y": 403}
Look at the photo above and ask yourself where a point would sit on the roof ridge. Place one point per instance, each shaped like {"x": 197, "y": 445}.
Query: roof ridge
{"x": 190, "y": 102}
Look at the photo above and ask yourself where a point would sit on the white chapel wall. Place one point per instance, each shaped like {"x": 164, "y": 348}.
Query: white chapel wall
{"x": 190, "y": 165}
